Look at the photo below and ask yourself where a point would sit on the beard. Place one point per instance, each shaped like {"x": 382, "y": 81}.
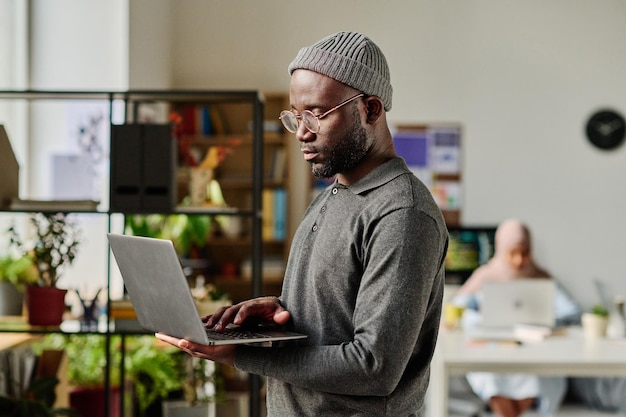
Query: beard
{"x": 343, "y": 154}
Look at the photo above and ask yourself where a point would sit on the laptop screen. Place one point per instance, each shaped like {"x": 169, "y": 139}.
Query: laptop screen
{"x": 524, "y": 300}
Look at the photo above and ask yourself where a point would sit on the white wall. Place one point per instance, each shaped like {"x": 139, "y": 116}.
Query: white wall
{"x": 75, "y": 45}
{"x": 79, "y": 44}
{"x": 521, "y": 76}
{"x": 149, "y": 43}
{"x": 88, "y": 45}
{"x": 96, "y": 45}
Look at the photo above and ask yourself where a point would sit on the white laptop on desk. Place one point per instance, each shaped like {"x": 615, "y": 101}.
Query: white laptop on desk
{"x": 162, "y": 298}
{"x": 508, "y": 303}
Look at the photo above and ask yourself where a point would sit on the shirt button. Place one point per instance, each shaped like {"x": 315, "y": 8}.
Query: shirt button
{"x": 314, "y": 228}
{"x": 323, "y": 209}
{"x": 335, "y": 191}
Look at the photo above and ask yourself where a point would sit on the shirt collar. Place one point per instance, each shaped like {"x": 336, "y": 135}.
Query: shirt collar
{"x": 380, "y": 175}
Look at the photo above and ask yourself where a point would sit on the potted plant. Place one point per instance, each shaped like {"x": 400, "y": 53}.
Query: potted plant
{"x": 188, "y": 233}
{"x": 153, "y": 372}
{"x": 85, "y": 372}
{"x": 52, "y": 248}
{"x": 595, "y": 322}
{"x": 202, "y": 388}
{"x": 15, "y": 274}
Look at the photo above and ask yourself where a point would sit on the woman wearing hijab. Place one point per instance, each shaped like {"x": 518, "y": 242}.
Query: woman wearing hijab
{"x": 508, "y": 395}
{"x": 512, "y": 259}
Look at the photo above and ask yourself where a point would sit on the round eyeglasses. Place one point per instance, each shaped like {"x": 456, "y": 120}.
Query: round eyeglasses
{"x": 291, "y": 121}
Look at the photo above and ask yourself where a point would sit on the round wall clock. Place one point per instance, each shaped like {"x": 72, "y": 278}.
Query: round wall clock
{"x": 606, "y": 129}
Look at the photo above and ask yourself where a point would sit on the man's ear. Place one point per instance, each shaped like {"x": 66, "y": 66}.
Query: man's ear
{"x": 374, "y": 108}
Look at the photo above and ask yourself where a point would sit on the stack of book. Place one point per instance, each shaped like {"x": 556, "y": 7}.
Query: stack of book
{"x": 122, "y": 309}
{"x": 123, "y": 316}
{"x": 536, "y": 332}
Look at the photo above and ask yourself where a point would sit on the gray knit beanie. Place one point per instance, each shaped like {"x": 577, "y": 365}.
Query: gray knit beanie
{"x": 352, "y": 59}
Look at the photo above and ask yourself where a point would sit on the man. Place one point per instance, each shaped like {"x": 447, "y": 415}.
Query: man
{"x": 364, "y": 279}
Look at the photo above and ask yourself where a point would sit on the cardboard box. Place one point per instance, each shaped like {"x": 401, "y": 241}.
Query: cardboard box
{"x": 9, "y": 171}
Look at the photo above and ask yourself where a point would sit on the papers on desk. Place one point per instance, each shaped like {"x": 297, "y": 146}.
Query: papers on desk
{"x": 513, "y": 335}
{"x": 481, "y": 343}
{"x": 536, "y": 332}
{"x": 481, "y": 335}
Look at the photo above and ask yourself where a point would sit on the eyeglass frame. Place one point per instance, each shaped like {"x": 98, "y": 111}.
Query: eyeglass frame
{"x": 316, "y": 116}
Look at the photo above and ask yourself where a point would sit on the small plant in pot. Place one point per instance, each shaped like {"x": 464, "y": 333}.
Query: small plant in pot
{"x": 595, "y": 322}
{"x": 15, "y": 274}
{"x": 599, "y": 310}
{"x": 52, "y": 247}
{"x": 153, "y": 371}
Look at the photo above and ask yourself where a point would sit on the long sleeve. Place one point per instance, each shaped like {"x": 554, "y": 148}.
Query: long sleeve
{"x": 370, "y": 305}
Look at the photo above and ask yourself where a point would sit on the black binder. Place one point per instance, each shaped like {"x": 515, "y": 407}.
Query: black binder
{"x": 143, "y": 166}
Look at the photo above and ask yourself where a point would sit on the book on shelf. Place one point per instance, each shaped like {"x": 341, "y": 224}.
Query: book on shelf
{"x": 280, "y": 214}
{"x": 274, "y": 224}
{"x": 279, "y": 164}
{"x": 217, "y": 120}
{"x": 53, "y": 205}
{"x": 122, "y": 310}
{"x": 267, "y": 224}
{"x": 206, "y": 125}
{"x": 201, "y": 119}
{"x": 188, "y": 114}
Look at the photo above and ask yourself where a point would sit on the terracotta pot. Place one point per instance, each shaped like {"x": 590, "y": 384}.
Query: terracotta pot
{"x": 46, "y": 305}
{"x": 89, "y": 401}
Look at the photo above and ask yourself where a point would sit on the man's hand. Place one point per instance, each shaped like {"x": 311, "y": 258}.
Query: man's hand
{"x": 264, "y": 309}
{"x": 223, "y": 354}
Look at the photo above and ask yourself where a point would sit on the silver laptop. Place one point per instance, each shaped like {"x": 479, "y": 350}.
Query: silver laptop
{"x": 162, "y": 298}
{"x": 519, "y": 301}
{"x": 506, "y": 304}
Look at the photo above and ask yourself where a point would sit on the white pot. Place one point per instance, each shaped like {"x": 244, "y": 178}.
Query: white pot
{"x": 594, "y": 326}
{"x": 181, "y": 408}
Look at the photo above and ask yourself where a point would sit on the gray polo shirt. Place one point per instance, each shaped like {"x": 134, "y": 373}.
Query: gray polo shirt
{"x": 365, "y": 281}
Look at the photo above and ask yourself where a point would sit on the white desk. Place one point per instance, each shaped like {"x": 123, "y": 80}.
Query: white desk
{"x": 569, "y": 355}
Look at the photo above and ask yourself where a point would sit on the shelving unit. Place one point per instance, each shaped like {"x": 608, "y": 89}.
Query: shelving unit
{"x": 260, "y": 144}
{"x": 470, "y": 247}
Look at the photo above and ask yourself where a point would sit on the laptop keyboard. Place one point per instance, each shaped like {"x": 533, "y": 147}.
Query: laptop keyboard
{"x": 230, "y": 334}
